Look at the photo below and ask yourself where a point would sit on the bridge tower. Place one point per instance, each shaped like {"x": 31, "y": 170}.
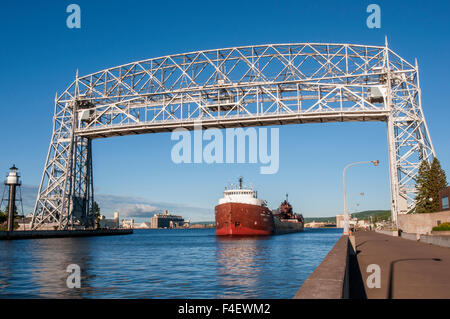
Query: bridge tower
{"x": 233, "y": 87}
{"x": 409, "y": 141}
{"x": 66, "y": 193}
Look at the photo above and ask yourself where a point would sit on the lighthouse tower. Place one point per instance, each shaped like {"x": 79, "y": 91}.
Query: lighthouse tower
{"x": 12, "y": 180}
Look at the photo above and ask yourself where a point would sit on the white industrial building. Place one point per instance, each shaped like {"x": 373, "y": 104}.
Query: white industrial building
{"x": 109, "y": 223}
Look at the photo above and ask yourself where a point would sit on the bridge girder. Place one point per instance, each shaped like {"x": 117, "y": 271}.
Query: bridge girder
{"x": 241, "y": 86}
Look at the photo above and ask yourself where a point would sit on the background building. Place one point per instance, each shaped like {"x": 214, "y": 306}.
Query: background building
{"x": 340, "y": 221}
{"x": 143, "y": 225}
{"x": 443, "y": 198}
{"x": 128, "y": 223}
{"x": 109, "y": 223}
{"x": 315, "y": 224}
{"x": 166, "y": 220}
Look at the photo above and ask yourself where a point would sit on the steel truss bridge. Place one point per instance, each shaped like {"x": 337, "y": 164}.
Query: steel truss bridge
{"x": 234, "y": 87}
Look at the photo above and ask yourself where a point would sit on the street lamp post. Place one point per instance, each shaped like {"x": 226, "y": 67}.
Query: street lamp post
{"x": 346, "y": 217}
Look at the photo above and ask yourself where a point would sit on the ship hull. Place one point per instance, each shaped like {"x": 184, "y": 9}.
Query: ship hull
{"x": 243, "y": 219}
{"x": 286, "y": 226}
{"x": 240, "y": 219}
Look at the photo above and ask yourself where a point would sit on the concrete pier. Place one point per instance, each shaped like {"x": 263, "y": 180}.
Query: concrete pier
{"x": 33, "y": 234}
{"x": 409, "y": 269}
{"x": 330, "y": 279}
{"x": 337, "y": 276}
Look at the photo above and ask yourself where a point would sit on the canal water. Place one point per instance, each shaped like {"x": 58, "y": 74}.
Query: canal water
{"x": 184, "y": 263}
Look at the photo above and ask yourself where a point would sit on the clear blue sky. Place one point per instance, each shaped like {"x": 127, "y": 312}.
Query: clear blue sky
{"x": 39, "y": 56}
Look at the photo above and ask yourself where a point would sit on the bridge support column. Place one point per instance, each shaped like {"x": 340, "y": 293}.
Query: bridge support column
{"x": 409, "y": 142}
{"x": 65, "y": 197}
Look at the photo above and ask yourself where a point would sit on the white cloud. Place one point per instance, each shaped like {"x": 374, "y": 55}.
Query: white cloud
{"x": 138, "y": 210}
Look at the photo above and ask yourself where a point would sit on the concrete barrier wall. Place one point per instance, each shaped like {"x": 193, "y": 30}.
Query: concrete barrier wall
{"x": 388, "y": 232}
{"x": 330, "y": 280}
{"x": 410, "y": 236}
{"x": 443, "y": 241}
{"x": 422, "y": 223}
{"x": 434, "y": 239}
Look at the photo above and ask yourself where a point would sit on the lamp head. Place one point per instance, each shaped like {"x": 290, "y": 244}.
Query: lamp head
{"x": 376, "y": 162}
{"x": 13, "y": 177}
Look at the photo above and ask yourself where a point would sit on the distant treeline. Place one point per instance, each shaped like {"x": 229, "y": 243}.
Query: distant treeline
{"x": 376, "y": 215}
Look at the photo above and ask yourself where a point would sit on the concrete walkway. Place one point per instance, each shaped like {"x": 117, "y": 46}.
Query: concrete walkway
{"x": 408, "y": 269}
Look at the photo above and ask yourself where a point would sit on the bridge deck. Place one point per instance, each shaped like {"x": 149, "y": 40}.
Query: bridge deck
{"x": 408, "y": 268}
{"x": 238, "y": 121}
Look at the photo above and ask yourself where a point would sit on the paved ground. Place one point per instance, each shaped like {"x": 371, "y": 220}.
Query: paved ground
{"x": 408, "y": 269}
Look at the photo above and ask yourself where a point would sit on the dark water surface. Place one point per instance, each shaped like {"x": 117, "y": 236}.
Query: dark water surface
{"x": 191, "y": 263}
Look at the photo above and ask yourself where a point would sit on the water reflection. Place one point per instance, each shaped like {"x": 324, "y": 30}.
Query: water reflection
{"x": 51, "y": 258}
{"x": 51, "y": 261}
{"x": 39, "y": 266}
{"x": 238, "y": 270}
{"x": 8, "y": 253}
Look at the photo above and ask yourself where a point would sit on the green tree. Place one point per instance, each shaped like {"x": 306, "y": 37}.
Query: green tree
{"x": 430, "y": 179}
{"x": 3, "y": 217}
{"x": 96, "y": 213}
{"x": 438, "y": 181}
{"x": 423, "y": 205}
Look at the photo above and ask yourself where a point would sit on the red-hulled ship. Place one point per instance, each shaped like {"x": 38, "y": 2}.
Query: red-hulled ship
{"x": 241, "y": 212}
